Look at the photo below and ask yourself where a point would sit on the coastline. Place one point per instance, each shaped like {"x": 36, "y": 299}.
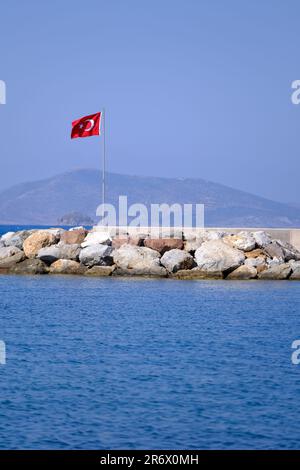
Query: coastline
{"x": 187, "y": 254}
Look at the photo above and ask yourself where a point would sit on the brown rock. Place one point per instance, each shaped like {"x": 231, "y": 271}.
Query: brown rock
{"x": 120, "y": 241}
{"x": 100, "y": 271}
{"x": 38, "y": 240}
{"x": 30, "y": 266}
{"x": 66, "y": 266}
{"x": 197, "y": 273}
{"x": 243, "y": 273}
{"x": 163, "y": 244}
{"x": 73, "y": 237}
{"x": 254, "y": 253}
{"x": 261, "y": 267}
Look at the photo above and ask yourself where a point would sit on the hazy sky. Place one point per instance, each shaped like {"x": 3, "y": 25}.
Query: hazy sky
{"x": 197, "y": 88}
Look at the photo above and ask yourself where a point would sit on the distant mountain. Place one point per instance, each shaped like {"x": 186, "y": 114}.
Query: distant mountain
{"x": 47, "y": 201}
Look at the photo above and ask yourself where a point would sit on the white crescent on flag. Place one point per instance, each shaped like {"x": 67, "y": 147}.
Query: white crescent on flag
{"x": 88, "y": 129}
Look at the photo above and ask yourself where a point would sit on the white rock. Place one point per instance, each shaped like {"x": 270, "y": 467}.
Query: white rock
{"x": 6, "y": 237}
{"x": 7, "y": 251}
{"x": 241, "y": 241}
{"x": 262, "y": 238}
{"x": 174, "y": 260}
{"x": 215, "y": 255}
{"x": 254, "y": 262}
{"x": 96, "y": 238}
{"x": 136, "y": 257}
{"x": 214, "y": 234}
{"x": 96, "y": 255}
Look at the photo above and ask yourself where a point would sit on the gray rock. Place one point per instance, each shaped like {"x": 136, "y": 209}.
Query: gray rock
{"x": 69, "y": 251}
{"x": 215, "y": 255}
{"x": 274, "y": 250}
{"x": 243, "y": 272}
{"x": 96, "y": 255}
{"x": 274, "y": 261}
{"x": 176, "y": 259}
{"x": 254, "y": 262}
{"x": 7, "y": 251}
{"x": 62, "y": 251}
{"x": 137, "y": 261}
{"x": 290, "y": 252}
{"x": 295, "y": 265}
{"x": 49, "y": 254}
{"x": 262, "y": 239}
{"x": 9, "y": 262}
{"x": 280, "y": 271}
{"x": 153, "y": 270}
{"x": 30, "y": 266}
{"x": 16, "y": 238}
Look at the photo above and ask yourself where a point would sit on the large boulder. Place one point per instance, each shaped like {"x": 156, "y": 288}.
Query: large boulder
{"x": 243, "y": 272}
{"x": 38, "y": 240}
{"x": 8, "y": 251}
{"x": 30, "y": 266}
{"x": 137, "y": 260}
{"x": 176, "y": 259}
{"x": 10, "y": 261}
{"x": 62, "y": 251}
{"x": 74, "y": 237}
{"x": 96, "y": 255}
{"x": 276, "y": 272}
{"x": 241, "y": 241}
{"x": 96, "y": 238}
{"x": 16, "y": 238}
{"x": 69, "y": 251}
{"x": 215, "y": 255}
{"x": 66, "y": 266}
{"x": 164, "y": 244}
{"x": 261, "y": 238}
{"x": 274, "y": 250}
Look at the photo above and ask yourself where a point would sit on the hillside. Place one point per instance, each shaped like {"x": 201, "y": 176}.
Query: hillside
{"x": 45, "y": 202}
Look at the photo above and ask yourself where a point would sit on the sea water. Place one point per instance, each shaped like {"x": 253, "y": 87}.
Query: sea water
{"x": 156, "y": 364}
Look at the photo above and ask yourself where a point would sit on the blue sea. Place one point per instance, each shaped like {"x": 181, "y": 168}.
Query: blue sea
{"x": 156, "y": 364}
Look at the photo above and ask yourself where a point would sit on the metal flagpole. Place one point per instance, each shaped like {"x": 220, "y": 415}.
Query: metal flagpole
{"x": 103, "y": 159}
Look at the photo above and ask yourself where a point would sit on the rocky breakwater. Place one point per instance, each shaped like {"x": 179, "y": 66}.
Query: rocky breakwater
{"x": 197, "y": 255}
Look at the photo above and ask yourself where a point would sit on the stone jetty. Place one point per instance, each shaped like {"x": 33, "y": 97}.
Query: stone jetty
{"x": 201, "y": 254}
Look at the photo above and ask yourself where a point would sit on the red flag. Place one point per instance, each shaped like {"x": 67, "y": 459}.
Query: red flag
{"x": 86, "y": 126}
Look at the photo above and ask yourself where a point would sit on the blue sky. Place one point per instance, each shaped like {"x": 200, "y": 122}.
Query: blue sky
{"x": 195, "y": 88}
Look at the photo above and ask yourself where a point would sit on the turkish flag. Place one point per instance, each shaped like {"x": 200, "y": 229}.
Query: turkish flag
{"x": 86, "y": 126}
